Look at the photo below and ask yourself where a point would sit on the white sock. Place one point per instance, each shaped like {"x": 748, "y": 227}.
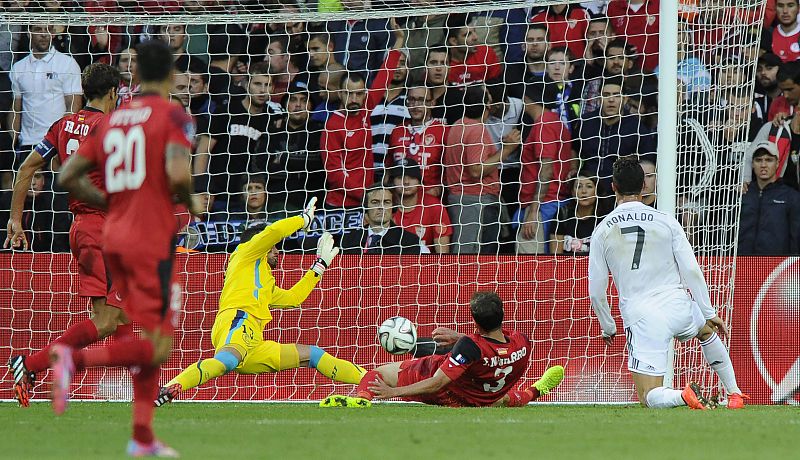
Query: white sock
{"x": 663, "y": 398}
{"x": 718, "y": 358}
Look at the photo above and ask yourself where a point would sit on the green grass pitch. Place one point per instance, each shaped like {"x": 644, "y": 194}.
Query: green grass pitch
{"x": 407, "y": 432}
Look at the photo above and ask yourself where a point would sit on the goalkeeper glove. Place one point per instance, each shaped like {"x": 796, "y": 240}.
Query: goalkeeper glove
{"x": 308, "y": 213}
{"x": 326, "y": 251}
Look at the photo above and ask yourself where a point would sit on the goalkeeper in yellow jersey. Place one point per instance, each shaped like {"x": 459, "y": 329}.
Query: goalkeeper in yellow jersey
{"x": 247, "y": 295}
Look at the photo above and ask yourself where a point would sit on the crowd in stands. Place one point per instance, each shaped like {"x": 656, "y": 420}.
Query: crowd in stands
{"x": 490, "y": 132}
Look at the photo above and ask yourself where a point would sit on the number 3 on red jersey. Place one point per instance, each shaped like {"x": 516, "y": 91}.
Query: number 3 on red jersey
{"x": 125, "y": 166}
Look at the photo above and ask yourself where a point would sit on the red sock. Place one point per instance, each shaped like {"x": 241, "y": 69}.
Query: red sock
{"x": 518, "y": 398}
{"x": 123, "y": 331}
{"x": 132, "y": 351}
{"x": 363, "y": 388}
{"x": 145, "y": 390}
{"x": 76, "y": 336}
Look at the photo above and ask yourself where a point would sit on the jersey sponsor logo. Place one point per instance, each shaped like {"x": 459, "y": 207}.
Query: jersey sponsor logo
{"x": 244, "y": 130}
{"x": 130, "y": 116}
{"x": 496, "y": 361}
{"x": 775, "y": 310}
{"x": 627, "y": 217}
{"x": 502, "y": 351}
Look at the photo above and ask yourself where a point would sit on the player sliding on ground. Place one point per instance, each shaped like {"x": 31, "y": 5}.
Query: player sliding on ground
{"x": 247, "y": 295}
{"x": 479, "y": 371}
{"x": 653, "y": 264}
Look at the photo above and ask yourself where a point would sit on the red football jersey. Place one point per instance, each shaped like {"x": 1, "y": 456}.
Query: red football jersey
{"x": 129, "y": 147}
{"x": 428, "y": 220}
{"x": 63, "y": 139}
{"x": 639, "y": 27}
{"x": 423, "y": 144}
{"x": 785, "y": 45}
{"x": 483, "y": 371}
{"x": 482, "y": 65}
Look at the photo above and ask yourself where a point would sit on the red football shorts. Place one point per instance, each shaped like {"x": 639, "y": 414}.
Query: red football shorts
{"x": 85, "y": 241}
{"x": 419, "y": 369}
{"x": 152, "y": 295}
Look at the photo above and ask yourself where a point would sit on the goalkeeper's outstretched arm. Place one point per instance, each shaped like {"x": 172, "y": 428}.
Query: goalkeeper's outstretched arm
{"x": 261, "y": 243}
{"x": 291, "y": 298}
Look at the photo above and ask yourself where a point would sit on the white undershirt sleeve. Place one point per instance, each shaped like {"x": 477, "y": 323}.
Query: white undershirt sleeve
{"x": 690, "y": 271}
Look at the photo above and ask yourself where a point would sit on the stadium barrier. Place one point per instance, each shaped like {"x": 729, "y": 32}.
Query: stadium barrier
{"x": 37, "y": 302}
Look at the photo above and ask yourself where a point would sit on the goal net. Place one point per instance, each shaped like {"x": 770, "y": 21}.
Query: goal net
{"x": 489, "y": 127}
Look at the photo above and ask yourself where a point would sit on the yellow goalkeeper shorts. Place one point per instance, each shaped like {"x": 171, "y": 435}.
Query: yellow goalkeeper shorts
{"x": 240, "y": 330}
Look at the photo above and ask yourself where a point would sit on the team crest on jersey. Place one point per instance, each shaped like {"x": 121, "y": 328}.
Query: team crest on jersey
{"x": 795, "y": 47}
{"x": 572, "y": 23}
{"x": 429, "y": 139}
{"x": 651, "y": 19}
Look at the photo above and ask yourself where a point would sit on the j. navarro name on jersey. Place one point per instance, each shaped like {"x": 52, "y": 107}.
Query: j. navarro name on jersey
{"x": 496, "y": 361}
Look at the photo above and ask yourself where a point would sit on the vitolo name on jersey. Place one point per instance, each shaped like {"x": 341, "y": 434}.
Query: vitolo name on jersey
{"x": 496, "y": 361}
{"x": 629, "y": 216}
{"x": 130, "y": 116}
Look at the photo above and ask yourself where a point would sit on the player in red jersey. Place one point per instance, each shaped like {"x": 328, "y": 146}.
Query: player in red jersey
{"x": 143, "y": 149}
{"x": 99, "y": 82}
{"x": 479, "y": 371}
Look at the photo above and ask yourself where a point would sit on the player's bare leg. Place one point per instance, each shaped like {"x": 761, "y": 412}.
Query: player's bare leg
{"x": 719, "y": 359}
{"x": 652, "y": 393}
{"x": 105, "y": 320}
{"x": 549, "y": 380}
{"x": 388, "y": 373}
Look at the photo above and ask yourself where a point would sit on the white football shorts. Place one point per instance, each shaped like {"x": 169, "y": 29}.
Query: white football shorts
{"x": 648, "y": 340}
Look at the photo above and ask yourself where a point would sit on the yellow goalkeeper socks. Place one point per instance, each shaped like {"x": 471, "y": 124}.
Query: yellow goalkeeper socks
{"x": 199, "y": 373}
{"x": 335, "y": 368}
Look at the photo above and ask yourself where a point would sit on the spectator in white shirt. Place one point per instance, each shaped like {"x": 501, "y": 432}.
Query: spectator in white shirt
{"x": 46, "y": 85}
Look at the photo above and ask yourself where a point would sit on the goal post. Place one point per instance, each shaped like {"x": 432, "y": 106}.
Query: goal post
{"x": 578, "y": 84}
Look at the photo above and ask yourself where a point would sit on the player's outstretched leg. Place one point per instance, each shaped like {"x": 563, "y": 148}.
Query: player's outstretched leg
{"x": 105, "y": 320}
{"x": 719, "y": 359}
{"x": 549, "y": 380}
{"x": 326, "y": 364}
{"x": 226, "y": 360}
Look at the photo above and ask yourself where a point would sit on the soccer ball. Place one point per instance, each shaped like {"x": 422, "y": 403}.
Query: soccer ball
{"x": 397, "y": 335}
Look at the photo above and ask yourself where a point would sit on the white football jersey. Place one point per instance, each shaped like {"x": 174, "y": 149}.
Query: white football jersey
{"x": 650, "y": 260}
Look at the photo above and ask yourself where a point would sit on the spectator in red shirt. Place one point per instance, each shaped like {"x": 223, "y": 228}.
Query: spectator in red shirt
{"x": 471, "y": 162}
{"x": 347, "y": 139}
{"x": 421, "y": 139}
{"x": 566, "y": 26}
{"x": 417, "y": 212}
{"x": 783, "y": 40}
{"x": 546, "y": 163}
{"x": 637, "y": 21}
{"x": 469, "y": 60}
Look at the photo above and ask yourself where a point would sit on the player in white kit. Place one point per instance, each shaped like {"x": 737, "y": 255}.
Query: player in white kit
{"x": 653, "y": 264}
